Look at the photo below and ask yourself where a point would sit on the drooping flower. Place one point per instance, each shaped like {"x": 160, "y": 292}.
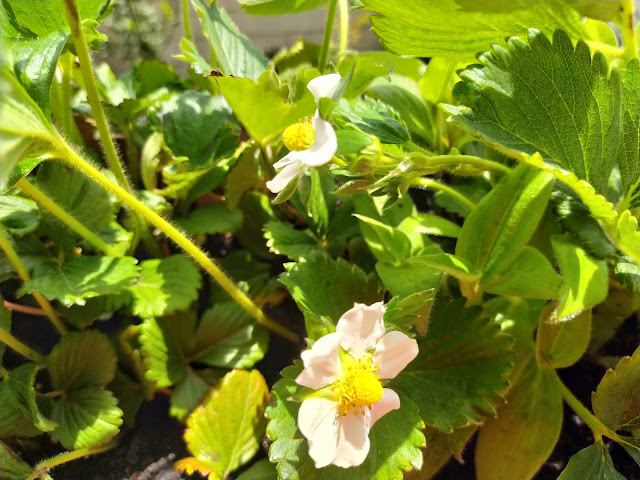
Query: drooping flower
{"x": 312, "y": 142}
{"x": 345, "y": 369}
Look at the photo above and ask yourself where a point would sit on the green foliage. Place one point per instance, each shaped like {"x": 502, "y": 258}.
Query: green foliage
{"x": 12, "y": 466}
{"x": 591, "y": 463}
{"x": 561, "y": 344}
{"x": 374, "y": 118}
{"x": 279, "y": 7}
{"x": 629, "y": 151}
{"x": 19, "y": 215}
{"x": 211, "y": 219}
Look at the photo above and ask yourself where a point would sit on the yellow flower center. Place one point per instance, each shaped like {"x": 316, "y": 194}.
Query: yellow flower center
{"x": 359, "y": 387}
{"x": 299, "y": 136}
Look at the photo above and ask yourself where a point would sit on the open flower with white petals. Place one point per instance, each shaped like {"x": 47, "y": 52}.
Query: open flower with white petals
{"x": 312, "y": 141}
{"x": 345, "y": 368}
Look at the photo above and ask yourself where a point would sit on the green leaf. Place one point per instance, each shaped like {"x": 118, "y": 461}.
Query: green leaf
{"x": 164, "y": 286}
{"x": 629, "y": 152}
{"x": 81, "y": 359}
{"x": 460, "y": 370}
{"x": 279, "y": 7}
{"x": 374, "y": 118}
{"x": 573, "y": 104}
{"x": 187, "y": 394}
{"x": 24, "y": 130}
{"x": 402, "y": 313}
{"x": 283, "y": 239}
{"x": 234, "y": 52}
{"x": 190, "y": 55}
{"x": 432, "y": 225}
{"x": 225, "y": 431}
{"x": 529, "y": 276}
{"x": 351, "y": 141}
{"x": 19, "y": 215}
{"x": 82, "y": 316}
{"x": 526, "y": 429}
{"x": 591, "y": 463}
{"x": 387, "y": 243}
{"x": 86, "y": 418}
{"x": 365, "y": 70}
{"x": 80, "y": 278}
{"x": 32, "y": 252}
{"x": 323, "y": 287}
{"x": 211, "y": 219}
{"x": 228, "y": 337}
{"x": 12, "y": 467}
{"x": 498, "y": 228}
{"x": 615, "y": 401}
{"x": 20, "y": 415}
{"x": 192, "y": 124}
{"x": 454, "y": 266}
{"x": 35, "y": 63}
{"x": 260, "y": 470}
{"x": 462, "y": 28}
{"x": 561, "y": 344}
{"x": 82, "y": 198}
{"x": 130, "y": 396}
{"x": 395, "y": 440}
{"x": 585, "y": 279}
{"x": 409, "y": 277}
{"x": 627, "y": 235}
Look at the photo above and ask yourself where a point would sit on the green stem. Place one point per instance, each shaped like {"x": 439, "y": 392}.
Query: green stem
{"x": 597, "y": 427}
{"x": 186, "y": 21}
{"x": 427, "y": 182}
{"x": 72, "y": 455}
{"x": 20, "y": 269}
{"x": 625, "y": 22}
{"x": 67, "y": 154}
{"x": 15, "y": 344}
{"x": 328, "y": 31}
{"x": 344, "y": 26}
{"x": 132, "y": 152}
{"x": 67, "y": 219}
{"x": 69, "y": 126}
{"x": 483, "y": 163}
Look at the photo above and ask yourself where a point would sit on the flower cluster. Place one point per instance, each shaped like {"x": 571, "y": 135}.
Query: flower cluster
{"x": 312, "y": 141}
{"x": 345, "y": 369}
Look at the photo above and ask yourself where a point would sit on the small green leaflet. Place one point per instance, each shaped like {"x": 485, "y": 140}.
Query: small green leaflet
{"x": 591, "y": 463}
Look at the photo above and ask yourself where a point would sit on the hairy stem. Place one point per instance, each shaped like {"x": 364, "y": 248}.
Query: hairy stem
{"x": 73, "y": 455}
{"x": 20, "y": 269}
{"x": 58, "y": 212}
{"x": 482, "y": 163}
{"x": 67, "y": 154}
{"x": 328, "y": 30}
{"x": 427, "y": 182}
{"x": 69, "y": 126}
{"x": 15, "y": 344}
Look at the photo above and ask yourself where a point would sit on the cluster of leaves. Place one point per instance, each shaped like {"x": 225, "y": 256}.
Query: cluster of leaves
{"x": 521, "y": 257}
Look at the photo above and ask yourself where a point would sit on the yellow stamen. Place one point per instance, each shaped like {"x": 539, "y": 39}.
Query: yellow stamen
{"x": 299, "y": 136}
{"x": 358, "y": 387}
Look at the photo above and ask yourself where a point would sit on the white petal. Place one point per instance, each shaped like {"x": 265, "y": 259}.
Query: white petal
{"x": 361, "y": 328}
{"x": 286, "y": 160}
{"x": 389, "y": 401}
{"x": 284, "y": 176}
{"x": 394, "y": 351}
{"x": 353, "y": 440}
{"x": 322, "y": 363}
{"x": 325, "y": 144}
{"x": 317, "y": 421}
{"x": 324, "y": 86}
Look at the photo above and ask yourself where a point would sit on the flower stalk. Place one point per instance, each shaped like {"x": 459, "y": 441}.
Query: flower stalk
{"x": 16, "y": 345}
{"x": 427, "y": 182}
{"x": 328, "y": 31}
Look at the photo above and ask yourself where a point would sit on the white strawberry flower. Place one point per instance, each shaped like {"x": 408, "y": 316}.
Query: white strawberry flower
{"x": 345, "y": 369}
{"x": 311, "y": 142}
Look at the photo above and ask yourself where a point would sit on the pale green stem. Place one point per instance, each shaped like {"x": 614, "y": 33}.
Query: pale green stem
{"x": 597, "y": 427}
{"x": 73, "y": 455}
{"x": 186, "y": 21}
{"x": 344, "y": 25}
{"x": 58, "y": 212}
{"x": 482, "y": 163}
{"x": 427, "y": 182}
{"x": 628, "y": 32}
{"x": 15, "y": 344}
{"x": 328, "y": 31}
{"x": 14, "y": 259}
{"x": 69, "y": 126}
{"x": 67, "y": 154}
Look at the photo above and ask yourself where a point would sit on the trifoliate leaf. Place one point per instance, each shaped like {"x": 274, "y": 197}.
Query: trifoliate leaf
{"x": 86, "y": 418}
{"x": 81, "y": 359}
{"x": 573, "y": 104}
{"x": 20, "y": 415}
{"x": 395, "y": 440}
{"x": 234, "y": 52}
{"x": 457, "y": 378}
{"x": 461, "y": 29}
{"x": 225, "y": 431}
{"x": 12, "y": 467}
{"x": 591, "y": 463}
{"x": 325, "y": 287}
{"x": 561, "y": 344}
{"x": 187, "y": 394}
{"x": 211, "y": 219}
{"x": 228, "y": 337}
{"x": 18, "y": 215}
{"x": 164, "y": 286}
{"x": 82, "y": 277}
{"x": 615, "y": 401}
{"x": 527, "y": 427}
{"x": 283, "y": 239}
{"x": 585, "y": 279}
